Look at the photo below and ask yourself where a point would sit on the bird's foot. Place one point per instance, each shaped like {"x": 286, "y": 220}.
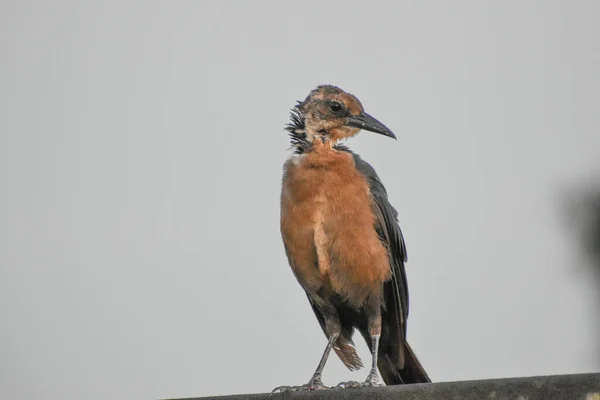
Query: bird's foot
{"x": 313, "y": 384}
{"x": 349, "y": 384}
{"x": 371, "y": 381}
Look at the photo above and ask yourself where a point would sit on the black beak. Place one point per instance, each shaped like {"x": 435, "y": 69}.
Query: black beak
{"x": 368, "y": 123}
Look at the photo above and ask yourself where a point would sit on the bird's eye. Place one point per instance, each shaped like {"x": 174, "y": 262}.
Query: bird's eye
{"x": 335, "y": 107}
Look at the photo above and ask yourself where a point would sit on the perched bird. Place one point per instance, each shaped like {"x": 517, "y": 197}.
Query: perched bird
{"x": 343, "y": 242}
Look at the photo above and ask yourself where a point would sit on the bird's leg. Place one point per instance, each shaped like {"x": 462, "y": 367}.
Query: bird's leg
{"x": 315, "y": 382}
{"x": 373, "y": 310}
{"x": 373, "y": 378}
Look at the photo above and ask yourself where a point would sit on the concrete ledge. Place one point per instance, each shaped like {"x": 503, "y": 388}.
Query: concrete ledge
{"x": 557, "y": 387}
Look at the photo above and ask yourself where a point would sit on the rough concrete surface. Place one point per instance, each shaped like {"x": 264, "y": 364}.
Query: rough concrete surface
{"x": 558, "y": 387}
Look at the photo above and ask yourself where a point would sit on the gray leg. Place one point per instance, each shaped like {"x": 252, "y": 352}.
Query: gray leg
{"x": 374, "y": 324}
{"x": 333, "y": 329}
{"x": 373, "y": 378}
{"x": 316, "y": 378}
{"x": 315, "y": 382}
{"x": 373, "y": 312}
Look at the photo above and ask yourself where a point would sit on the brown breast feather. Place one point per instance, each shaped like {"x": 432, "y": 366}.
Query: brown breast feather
{"x": 328, "y": 226}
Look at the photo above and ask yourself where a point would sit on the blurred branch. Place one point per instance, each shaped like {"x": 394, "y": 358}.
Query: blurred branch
{"x": 584, "y": 214}
{"x": 585, "y": 210}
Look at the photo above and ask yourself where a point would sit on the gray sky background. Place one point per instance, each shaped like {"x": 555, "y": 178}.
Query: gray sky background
{"x": 141, "y": 147}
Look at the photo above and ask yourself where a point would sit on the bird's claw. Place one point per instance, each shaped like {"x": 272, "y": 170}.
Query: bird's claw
{"x": 349, "y": 384}
{"x": 372, "y": 380}
{"x": 283, "y": 389}
{"x": 312, "y": 385}
{"x": 369, "y": 382}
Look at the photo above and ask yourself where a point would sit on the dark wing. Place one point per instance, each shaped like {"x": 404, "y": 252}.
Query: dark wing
{"x": 396, "y": 290}
{"x": 397, "y": 361}
{"x": 390, "y": 233}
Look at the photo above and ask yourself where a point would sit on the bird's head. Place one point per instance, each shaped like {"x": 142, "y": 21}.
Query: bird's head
{"x": 330, "y": 114}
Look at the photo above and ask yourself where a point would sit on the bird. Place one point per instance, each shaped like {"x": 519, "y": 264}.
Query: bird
{"x": 343, "y": 241}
